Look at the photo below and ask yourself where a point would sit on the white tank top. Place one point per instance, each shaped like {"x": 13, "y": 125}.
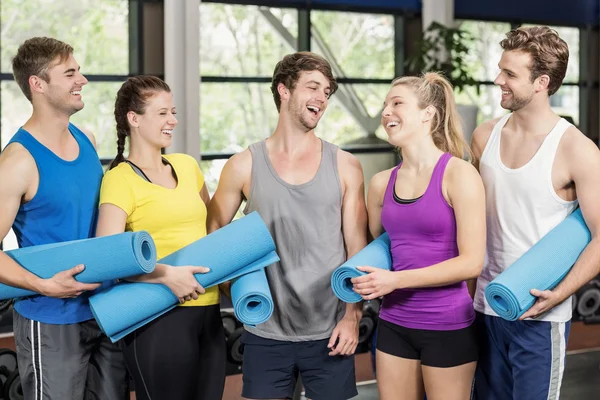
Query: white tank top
{"x": 521, "y": 207}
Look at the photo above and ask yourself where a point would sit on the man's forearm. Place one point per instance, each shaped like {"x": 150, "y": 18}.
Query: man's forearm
{"x": 354, "y": 310}
{"x": 12, "y": 274}
{"x": 585, "y": 269}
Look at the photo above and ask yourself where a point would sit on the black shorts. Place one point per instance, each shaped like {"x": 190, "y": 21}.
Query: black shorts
{"x": 441, "y": 349}
{"x": 271, "y": 367}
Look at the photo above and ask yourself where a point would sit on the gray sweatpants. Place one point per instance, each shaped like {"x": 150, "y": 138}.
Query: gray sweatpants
{"x": 68, "y": 362}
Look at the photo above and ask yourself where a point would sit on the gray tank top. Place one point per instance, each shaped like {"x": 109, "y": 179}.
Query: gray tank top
{"x": 306, "y": 223}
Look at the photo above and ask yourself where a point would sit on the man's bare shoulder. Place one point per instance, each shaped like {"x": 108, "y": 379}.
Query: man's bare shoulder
{"x": 577, "y": 147}
{"x": 482, "y": 133}
{"x": 240, "y": 161}
{"x": 17, "y": 166}
{"x": 348, "y": 160}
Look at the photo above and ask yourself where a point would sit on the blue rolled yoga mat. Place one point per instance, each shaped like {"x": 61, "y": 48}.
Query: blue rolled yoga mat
{"x": 542, "y": 267}
{"x": 375, "y": 254}
{"x": 105, "y": 258}
{"x": 251, "y": 298}
{"x": 241, "y": 247}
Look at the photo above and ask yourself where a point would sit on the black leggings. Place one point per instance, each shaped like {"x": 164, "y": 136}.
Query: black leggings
{"x": 180, "y": 355}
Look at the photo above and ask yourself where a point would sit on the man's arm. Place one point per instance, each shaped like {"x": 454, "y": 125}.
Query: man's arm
{"x": 354, "y": 230}
{"x": 17, "y": 173}
{"x": 479, "y": 140}
{"x": 583, "y": 163}
{"x": 229, "y": 195}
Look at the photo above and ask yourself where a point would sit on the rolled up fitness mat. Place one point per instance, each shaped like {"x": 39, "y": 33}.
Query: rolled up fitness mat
{"x": 542, "y": 267}
{"x": 251, "y": 298}
{"x": 105, "y": 258}
{"x": 241, "y": 247}
{"x": 375, "y": 254}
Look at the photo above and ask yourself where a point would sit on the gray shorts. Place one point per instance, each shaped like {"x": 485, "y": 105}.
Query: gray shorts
{"x": 68, "y": 362}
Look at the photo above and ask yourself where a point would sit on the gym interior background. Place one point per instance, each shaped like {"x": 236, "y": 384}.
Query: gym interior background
{"x": 218, "y": 57}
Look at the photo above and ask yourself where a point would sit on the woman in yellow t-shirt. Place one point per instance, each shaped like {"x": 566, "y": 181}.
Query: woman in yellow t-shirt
{"x": 180, "y": 355}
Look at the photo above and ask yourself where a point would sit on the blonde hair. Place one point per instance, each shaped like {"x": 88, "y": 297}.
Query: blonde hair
{"x": 433, "y": 89}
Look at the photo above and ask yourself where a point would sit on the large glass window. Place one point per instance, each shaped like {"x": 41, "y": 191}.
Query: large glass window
{"x": 483, "y": 60}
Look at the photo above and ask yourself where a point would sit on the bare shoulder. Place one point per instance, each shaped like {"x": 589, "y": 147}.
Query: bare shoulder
{"x": 17, "y": 167}
{"x": 240, "y": 161}
{"x": 578, "y": 147}
{"x": 482, "y": 133}
{"x": 461, "y": 171}
{"x": 379, "y": 182}
{"x": 238, "y": 168}
{"x": 348, "y": 163}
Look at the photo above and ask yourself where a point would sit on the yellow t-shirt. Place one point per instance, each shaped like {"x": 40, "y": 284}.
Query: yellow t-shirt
{"x": 173, "y": 217}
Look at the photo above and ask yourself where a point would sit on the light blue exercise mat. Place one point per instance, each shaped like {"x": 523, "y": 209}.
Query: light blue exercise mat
{"x": 105, "y": 258}
{"x": 241, "y": 247}
{"x": 542, "y": 268}
{"x": 251, "y": 298}
{"x": 375, "y": 254}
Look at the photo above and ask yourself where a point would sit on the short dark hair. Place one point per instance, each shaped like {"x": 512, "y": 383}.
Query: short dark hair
{"x": 287, "y": 71}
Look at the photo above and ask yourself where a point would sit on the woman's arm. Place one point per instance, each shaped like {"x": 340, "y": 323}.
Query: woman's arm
{"x": 181, "y": 280}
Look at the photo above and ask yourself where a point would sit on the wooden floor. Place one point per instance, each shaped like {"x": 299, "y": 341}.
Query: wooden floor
{"x": 581, "y": 337}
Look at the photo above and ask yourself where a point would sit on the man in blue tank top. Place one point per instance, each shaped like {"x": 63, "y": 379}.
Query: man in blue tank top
{"x": 50, "y": 178}
{"x": 536, "y": 168}
{"x": 311, "y": 196}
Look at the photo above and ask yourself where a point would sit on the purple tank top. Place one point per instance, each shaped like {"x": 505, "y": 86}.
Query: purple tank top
{"x": 423, "y": 233}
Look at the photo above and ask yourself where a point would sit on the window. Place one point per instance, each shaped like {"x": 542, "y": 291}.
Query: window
{"x": 484, "y": 58}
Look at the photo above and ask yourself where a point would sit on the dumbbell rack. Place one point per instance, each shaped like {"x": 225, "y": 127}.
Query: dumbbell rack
{"x": 586, "y": 302}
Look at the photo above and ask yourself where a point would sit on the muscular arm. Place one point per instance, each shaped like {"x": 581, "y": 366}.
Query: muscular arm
{"x": 344, "y": 337}
{"x": 17, "y": 173}
{"x": 479, "y": 140}
{"x": 229, "y": 195}
{"x": 354, "y": 212}
{"x": 584, "y": 165}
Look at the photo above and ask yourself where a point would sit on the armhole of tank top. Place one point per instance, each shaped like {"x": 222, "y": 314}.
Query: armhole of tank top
{"x": 557, "y": 139}
{"x": 390, "y": 188}
{"x": 494, "y": 136}
{"x": 253, "y": 148}
{"x": 333, "y": 150}
{"x": 81, "y": 137}
{"x": 31, "y": 203}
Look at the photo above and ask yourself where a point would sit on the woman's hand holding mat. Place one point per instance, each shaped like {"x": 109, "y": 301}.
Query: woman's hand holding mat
{"x": 376, "y": 254}
{"x": 239, "y": 248}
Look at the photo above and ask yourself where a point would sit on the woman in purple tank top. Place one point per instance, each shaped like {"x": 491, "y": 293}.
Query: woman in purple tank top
{"x": 432, "y": 206}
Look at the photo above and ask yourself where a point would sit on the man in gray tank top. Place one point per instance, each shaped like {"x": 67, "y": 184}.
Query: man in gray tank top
{"x": 311, "y": 196}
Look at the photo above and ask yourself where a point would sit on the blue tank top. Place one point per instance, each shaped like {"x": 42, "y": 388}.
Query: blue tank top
{"x": 64, "y": 208}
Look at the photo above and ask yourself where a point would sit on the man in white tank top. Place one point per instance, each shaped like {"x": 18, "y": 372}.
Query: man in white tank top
{"x": 311, "y": 196}
{"x": 536, "y": 168}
